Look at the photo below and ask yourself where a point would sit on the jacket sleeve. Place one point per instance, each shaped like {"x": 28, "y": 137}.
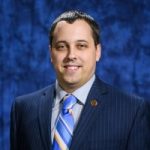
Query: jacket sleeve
{"x": 139, "y": 138}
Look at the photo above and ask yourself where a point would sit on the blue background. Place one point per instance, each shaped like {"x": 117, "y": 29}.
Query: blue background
{"x": 24, "y": 54}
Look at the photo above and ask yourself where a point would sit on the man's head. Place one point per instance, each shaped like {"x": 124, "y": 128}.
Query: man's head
{"x": 71, "y": 17}
{"x": 74, "y": 48}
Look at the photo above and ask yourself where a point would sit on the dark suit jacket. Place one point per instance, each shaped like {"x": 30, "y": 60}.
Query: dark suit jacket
{"x": 117, "y": 122}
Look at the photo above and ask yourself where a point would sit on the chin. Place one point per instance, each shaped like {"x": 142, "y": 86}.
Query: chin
{"x": 71, "y": 82}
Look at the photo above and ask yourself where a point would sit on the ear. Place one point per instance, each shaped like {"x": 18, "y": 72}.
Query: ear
{"x": 50, "y": 49}
{"x": 98, "y": 52}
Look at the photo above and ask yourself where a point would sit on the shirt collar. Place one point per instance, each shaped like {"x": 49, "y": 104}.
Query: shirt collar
{"x": 60, "y": 93}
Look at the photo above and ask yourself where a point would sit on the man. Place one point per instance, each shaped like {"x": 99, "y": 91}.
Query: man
{"x": 102, "y": 118}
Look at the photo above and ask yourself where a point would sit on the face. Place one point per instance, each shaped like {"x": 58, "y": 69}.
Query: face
{"x": 74, "y": 54}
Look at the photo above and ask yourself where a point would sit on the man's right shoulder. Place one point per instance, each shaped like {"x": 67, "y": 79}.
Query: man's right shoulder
{"x": 36, "y": 95}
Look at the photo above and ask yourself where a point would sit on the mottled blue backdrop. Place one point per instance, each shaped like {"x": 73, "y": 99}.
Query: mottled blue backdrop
{"x": 24, "y": 55}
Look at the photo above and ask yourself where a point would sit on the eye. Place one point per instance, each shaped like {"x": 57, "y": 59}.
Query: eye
{"x": 61, "y": 47}
{"x": 82, "y": 46}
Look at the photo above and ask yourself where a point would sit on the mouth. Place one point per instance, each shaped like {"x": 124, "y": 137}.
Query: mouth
{"x": 72, "y": 67}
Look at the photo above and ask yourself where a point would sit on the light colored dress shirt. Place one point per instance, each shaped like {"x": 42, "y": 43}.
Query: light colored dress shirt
{"x": 81, "y": 94}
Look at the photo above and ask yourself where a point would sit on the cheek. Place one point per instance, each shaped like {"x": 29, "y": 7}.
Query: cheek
{"x": 89, "y": 58}
{"x": 91, "y": 62}
{"x": 55, "y": 58}
{"x": 57, "y": 62}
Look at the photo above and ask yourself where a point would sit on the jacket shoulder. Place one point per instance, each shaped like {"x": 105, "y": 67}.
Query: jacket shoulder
{"x": 34, "y": 96}
{"x": 117, "y": 94}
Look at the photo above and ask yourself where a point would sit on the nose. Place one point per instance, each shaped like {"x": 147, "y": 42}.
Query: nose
{"x": 71, "y": 53}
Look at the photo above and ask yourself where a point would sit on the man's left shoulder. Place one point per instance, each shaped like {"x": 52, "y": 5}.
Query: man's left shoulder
{"x": 119, "y": 96}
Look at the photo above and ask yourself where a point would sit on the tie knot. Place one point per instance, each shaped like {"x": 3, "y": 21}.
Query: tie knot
{"x": 68, "y": 103}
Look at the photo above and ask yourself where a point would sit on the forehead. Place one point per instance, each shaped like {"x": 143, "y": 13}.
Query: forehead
{"x": 77, "y": 28}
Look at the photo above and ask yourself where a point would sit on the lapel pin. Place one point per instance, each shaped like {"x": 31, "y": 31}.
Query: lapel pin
{"x": 94, "y": 103}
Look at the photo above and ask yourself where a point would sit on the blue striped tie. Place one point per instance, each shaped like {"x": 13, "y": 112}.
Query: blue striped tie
{"x": 65, "y": 125}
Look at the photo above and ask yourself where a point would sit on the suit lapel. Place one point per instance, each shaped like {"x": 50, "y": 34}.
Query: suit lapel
{"x": 45, "y": 111}
{"x": 92, "y": 107}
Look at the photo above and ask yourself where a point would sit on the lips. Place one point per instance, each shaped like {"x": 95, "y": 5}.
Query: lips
{"x": 72, "y": 67}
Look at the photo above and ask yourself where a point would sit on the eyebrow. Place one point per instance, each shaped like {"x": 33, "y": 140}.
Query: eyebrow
{"x": 62, "y": 41}
{"x": 82, "y": 41}
{"x": 67, "y": 42}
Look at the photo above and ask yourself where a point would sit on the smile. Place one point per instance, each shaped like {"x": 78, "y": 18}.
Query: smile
{"x": 71, "y": 67}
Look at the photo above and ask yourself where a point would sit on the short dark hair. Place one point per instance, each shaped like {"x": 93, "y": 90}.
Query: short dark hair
{"x": 71, "y": 17}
